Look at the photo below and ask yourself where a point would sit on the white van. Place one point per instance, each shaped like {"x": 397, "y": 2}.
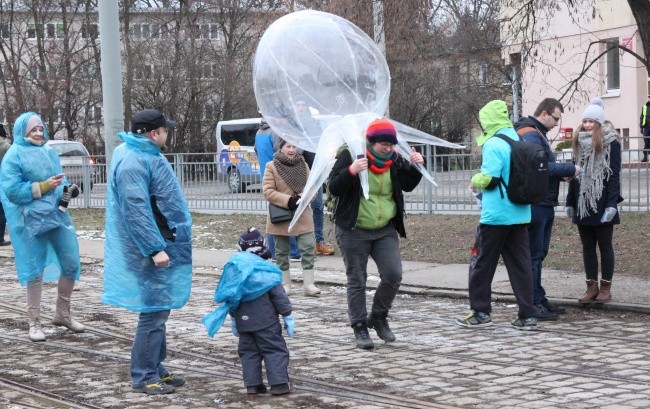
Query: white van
{"x": 236, "y": 158}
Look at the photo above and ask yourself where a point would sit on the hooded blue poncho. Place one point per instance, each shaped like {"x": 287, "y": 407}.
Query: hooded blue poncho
{"x": 43, "y": 238}
{"x": 245, "y": 277}
{"x": 141, "y": 180}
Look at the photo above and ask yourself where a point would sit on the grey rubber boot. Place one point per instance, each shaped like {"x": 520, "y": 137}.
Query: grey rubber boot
{"x": 308, "y": 280}
{"x": 34, "y": 289}
{"x": 286, "y": 281}
{"x": 62, "y": 316}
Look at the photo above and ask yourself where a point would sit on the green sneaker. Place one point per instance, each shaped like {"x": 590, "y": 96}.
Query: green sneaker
{"x": 475, "y": 320}
{"x": 173, "y": 380}
{"x": 158, "y": 388}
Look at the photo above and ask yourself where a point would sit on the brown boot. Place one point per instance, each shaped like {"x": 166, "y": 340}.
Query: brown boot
{"x": 605, "y": 294}
{"x": 591, "y": 293}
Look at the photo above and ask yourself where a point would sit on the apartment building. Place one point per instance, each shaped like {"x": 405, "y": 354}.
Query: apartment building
{"x": 565, "y": 62}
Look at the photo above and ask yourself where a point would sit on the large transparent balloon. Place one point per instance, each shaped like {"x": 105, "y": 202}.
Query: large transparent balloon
{"x": 319, "y": 81}
{"x": 312, "y": 63}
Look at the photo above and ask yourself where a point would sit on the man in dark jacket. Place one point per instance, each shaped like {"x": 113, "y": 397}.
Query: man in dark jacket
{"x": 644, "y": 123}
{"x": 5, "y": 143}
{"x": 534, "y": 129}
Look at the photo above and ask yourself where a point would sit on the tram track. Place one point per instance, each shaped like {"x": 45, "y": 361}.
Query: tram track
{"x": 299, "y": 383}
{"x": 228, "y": 369}
{"x": 41, "y": 395}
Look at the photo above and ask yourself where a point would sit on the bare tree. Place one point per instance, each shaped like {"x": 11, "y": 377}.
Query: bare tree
{"x": 524, "y": 24}
{"x": 47, "y": 61}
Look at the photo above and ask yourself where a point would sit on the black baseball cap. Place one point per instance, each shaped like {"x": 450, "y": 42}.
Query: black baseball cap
{"x": 148, "y": 120}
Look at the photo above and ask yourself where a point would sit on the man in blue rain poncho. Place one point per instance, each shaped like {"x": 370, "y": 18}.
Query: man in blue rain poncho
{"x": 148, "y": 250}
{"x": 45, "y": 241}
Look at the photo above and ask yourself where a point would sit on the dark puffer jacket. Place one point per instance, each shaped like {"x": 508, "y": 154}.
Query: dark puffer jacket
{"x": 611, "y": 192}
{"x": 556, "y": 171}
{"x": 347, "y": 188}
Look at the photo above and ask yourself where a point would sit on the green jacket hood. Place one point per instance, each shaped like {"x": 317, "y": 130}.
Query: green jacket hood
{"x": 493, "y": 116}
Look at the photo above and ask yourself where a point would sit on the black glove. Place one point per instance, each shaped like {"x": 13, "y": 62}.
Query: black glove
{"x": 65, "y": 199}
{"x": 293, "y": 202}
{"x": 74, "y": 190}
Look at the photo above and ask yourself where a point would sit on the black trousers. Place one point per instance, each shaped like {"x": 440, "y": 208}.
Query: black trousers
{"x": 510, "y": 242}
{"x": 600, "y": 235}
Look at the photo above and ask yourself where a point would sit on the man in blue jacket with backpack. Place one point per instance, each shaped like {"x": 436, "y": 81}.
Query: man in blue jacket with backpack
{"x": 534, "y": 129}
{"x": 503, "y": 226}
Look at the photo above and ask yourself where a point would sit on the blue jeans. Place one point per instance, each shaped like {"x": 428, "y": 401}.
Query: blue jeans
{"x": 539, "y": 237}
{"x": 294, "y": 251}
{"x": 149, "y": 348}
{"x": 317, "y": 215}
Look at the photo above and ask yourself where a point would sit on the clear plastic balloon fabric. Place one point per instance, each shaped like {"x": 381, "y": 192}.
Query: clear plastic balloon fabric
{"x": 315, "y": 64}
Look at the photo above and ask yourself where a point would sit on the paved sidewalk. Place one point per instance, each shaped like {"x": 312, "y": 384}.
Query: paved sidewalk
{"x": 630, "y": 293}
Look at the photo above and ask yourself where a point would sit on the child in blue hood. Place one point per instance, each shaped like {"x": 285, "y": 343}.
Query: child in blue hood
{"x": 251, "y": 289}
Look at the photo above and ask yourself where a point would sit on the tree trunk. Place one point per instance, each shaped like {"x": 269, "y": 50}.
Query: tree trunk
{"x": 641, "y": 12}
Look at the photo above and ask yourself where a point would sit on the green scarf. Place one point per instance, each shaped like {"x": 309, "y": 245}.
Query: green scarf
{"x": 378, "y": 163}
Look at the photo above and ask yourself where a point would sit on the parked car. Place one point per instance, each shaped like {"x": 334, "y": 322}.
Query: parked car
{"x": 72, "y": 154}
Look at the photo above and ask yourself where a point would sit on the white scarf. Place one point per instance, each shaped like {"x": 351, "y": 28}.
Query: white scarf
{"x": 596, "y": 169}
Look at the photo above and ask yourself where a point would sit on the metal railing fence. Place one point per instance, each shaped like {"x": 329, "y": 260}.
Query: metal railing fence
{"x": 209, "y": 190}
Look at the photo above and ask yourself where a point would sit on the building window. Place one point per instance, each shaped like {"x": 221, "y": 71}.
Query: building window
{"x": 483, "y": 75}
{"x": 94, "y": 114}
{"x": 54, "y": 30}
{"x": 141, "y": 30}
{"x": 5, "y": 32}
{"x": 31, "y": 30}
{"x": 89, "y": 31}
{"x": 612, "y": 66}
{"x": 207, "y": 31}
{"x": 144, "y": 72}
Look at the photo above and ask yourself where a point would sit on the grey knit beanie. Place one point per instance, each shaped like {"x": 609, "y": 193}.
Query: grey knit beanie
{"x": 595, "y": 113}
{"x": 597, "y": 101}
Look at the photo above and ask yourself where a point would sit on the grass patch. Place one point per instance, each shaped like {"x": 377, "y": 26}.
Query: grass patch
{"x": 443, "y": 239}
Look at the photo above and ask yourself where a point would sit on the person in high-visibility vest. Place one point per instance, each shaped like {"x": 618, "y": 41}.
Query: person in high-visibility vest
{"x": 644, "y": 123}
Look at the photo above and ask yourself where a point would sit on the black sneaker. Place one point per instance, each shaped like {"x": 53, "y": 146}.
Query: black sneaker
{"x": 5, "y": 243}
{"x": 475, "y": 320}
{"x": 173, "y": 380}
{"x": 554, "y": 308}
{"x": 281, "y": 389}
{"x": 542, "y": 314}
{"x": 525, "y": 324}
{"x": 254, "y": 390}
{"x": 362, "y": 336}
{"x": 158, "y": 388}
{"x": 381, "y": 326}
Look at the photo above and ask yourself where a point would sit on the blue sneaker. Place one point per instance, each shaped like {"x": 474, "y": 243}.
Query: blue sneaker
{"x": 475, "y": 320}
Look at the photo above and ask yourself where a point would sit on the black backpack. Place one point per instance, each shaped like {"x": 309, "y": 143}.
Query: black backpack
{"x": 528, "y": 172}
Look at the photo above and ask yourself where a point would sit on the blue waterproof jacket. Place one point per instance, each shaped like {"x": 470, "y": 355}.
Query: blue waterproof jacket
{"x": 146, "y": 213}
{"x": 245, "y": 277}
{"x": 43, "y": 237}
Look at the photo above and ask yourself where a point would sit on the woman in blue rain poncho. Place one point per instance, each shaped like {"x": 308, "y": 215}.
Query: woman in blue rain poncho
{"x": 45, "y": 241}
{"x": 148, "y": 248}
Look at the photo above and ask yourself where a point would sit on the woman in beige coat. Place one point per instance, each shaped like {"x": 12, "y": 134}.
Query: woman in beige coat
{"x": 284, "y": 180}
